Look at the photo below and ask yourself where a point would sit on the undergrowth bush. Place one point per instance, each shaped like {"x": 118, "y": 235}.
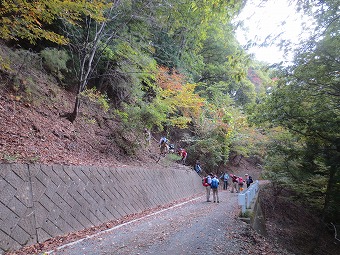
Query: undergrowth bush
{"x": 95, "y": 96}
{"x": 55, "y": 61}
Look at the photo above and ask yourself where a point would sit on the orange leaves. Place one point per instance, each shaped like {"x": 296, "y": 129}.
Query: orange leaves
{"x": 169, "y": 79}
{"x": 179, "y": 96}
{"x": 188, "y": 102}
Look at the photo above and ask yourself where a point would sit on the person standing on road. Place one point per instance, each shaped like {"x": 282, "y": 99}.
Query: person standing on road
{"x": 240, "y": 184}
{"x": 214, "y": 186}
{"x": 249, "y": 180}
{"x": 206, "y": 184}
{"x": 234, "y": 183}
{"x": 225, "y": 178}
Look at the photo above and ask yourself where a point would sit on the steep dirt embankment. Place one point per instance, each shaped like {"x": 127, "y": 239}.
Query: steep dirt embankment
{"x": 32, "y": 129}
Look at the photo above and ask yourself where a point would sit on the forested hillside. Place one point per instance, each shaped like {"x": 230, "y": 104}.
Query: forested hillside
{"x": 82, "y": 80}
{"x": 173, "y": 68}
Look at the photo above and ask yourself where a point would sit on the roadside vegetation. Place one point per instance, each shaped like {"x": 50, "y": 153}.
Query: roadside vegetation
{"x": 176, "y": 69}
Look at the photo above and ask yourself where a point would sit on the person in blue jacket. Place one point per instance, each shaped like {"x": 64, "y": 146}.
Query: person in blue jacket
{"x": 225, "y": 178}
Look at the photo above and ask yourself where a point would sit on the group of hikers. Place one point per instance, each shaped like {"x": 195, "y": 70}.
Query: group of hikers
{"x": 211, "y": 182}
{"x": 166, "y": 147}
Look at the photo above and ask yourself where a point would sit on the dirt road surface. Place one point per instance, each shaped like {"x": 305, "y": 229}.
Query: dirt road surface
{"x": 193, "y": 227}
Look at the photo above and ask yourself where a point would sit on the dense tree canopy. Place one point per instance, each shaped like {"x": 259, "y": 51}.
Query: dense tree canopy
{"x": 304, "y": 106}
{"x": 30, "y": 19}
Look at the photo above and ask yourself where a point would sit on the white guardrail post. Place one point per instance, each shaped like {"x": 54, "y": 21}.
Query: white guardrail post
{"x": 246, "y": 197}
{"x": 242, "y": 201}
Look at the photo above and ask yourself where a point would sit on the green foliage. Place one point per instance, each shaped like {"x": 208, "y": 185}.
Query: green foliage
{"x": 55, "y": 61}
{"x": 10, "y": 158}
{"x": 97, "y": 97}
{"x": 118, "y": 51}
{"x": 27, "y": 20}
{"x": 213, "y": 141}
{"x": 209, "y": 150}
{"x": 135, "y": 70}
{"x": 151, "y": 116}
{"x": 247, "y": 214}
{"x": 305, "y": 104}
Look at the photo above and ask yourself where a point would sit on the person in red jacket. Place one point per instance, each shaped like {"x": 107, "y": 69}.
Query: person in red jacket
{"x": 183, "y": 154}
{"x": 234, "y": 183}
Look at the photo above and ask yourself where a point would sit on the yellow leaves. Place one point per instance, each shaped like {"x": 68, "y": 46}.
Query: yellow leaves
{"x": 188, "y": 102}
{"x": 27, "y": 20}
{"x": 5, "y": 63}
{"x": 180, "y": 97}
{"x": 181, "y": 122}
{"x": 183, "y": 102}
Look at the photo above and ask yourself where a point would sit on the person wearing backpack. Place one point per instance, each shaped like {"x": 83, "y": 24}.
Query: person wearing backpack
{"x": 206, "y": 183}
{"x": 214, "y": 186}
{"x": 163, "y": 140}
{"x": 240, "y": 184}
{"x": 249, "y": 180}
{"x": 234, "y": 183}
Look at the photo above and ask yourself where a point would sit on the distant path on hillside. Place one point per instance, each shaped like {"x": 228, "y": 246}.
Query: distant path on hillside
{"x": 193, "y": 227}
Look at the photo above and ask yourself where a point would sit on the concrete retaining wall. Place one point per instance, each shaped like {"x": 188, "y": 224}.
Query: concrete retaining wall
{"x": 38, "y": 202}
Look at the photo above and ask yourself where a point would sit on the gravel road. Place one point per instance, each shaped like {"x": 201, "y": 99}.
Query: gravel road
{"x": 193, "y": 227}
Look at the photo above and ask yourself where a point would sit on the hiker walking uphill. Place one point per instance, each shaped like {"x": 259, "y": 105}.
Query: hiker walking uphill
{"x": 214, "y": 186}
{"x": 163, "y": 146}
{"x": 163, "y": 140}
{"x": 147, "y": 137}
{"x": 183, "y": 153}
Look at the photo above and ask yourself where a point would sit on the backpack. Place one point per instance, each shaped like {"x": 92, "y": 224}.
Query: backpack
{"x": 214, "y": 183}
{"x": 250, "y": 179}
{"x": 240, "y": 180}
{"x": 205, "y": 182}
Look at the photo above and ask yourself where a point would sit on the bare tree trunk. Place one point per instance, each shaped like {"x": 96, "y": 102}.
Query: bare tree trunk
{"x": 87, "y": 56}
{"x": 73, "y": 115}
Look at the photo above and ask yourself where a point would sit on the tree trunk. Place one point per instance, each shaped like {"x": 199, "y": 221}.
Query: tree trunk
{"x": 72, "y": 116}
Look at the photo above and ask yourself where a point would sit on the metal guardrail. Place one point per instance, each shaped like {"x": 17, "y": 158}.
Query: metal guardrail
{"x": 246, "y": 197}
